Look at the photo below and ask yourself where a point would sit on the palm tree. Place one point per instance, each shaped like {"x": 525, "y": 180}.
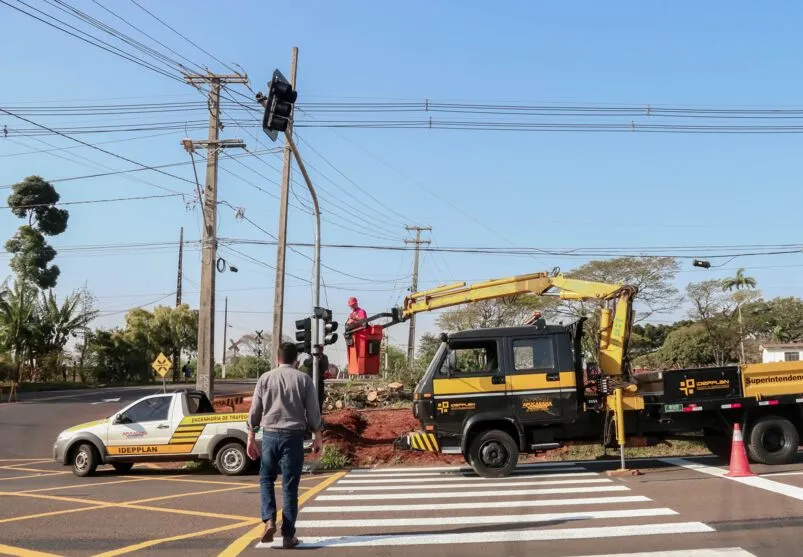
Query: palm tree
{"x": 17, "y": 317}
{"x": 60, "y": 322}
{"x": 738, "y": 283}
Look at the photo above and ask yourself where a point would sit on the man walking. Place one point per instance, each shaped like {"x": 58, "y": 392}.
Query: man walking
{"x": 285, "y": 406}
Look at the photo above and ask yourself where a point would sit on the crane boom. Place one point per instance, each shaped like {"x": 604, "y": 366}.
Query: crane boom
{"x": 615, "y": 321}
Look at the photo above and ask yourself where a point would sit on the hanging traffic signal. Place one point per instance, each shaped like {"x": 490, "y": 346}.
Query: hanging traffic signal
{"x": 304, "y": 335}
{"x": 329, "y": 326}
{"x": 278, "y": 106}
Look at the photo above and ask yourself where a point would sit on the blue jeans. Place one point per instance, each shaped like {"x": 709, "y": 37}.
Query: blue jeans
{"x": 281, "y": 451}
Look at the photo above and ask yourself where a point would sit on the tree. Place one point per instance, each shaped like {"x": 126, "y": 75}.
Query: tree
{"x": 114, "y": 358}
{"x": 776, "y": 320}
{"x": 427, "y": 347}
{"x": 501, "y": 312}
{"x": 247, "y": 367}
{"x": 59, "y": 323}
{"x": 714, "y": 310}
{"x": 739, "y": 282}
{"x": 648, "y": 338}
{"x": 166, "y": 329}
{"x": 17, "y": 322}
{"x": 685, "y": 347}
{"x": 35, "y": 199}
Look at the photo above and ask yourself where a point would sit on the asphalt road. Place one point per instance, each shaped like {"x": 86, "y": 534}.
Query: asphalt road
{"x": 29, "y": 427}
{"x": 677, "y": 508}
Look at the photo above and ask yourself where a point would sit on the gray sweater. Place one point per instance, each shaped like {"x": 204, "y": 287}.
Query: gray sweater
{"x": 284, "y": 399}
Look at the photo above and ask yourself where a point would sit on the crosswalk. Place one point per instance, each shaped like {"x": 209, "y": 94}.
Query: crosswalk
{"x": 544, "y": 502}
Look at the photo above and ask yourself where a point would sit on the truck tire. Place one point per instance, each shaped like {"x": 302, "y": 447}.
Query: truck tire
{"x": 773, "y": 440}
{"x": 232, "y": 459}
{"x": 493, "y": 454}
{"x": 718, "y": 443}
{"x": 85, "y": 460}
{"x": 123, "y": 467}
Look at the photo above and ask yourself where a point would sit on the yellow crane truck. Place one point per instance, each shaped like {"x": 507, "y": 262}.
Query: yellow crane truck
{"x": 492, "y": 394}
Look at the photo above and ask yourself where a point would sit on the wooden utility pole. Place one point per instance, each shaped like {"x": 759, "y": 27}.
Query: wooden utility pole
{"x": 281, "y": 248}
{"x": 418, "y": 242}
{"x": 206, "y": 312}
{"x": 225, "y": 332}
{"x": 179, "y": 281}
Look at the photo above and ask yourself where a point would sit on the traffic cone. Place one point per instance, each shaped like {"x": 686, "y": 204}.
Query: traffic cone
{"x": 739, "y": 467}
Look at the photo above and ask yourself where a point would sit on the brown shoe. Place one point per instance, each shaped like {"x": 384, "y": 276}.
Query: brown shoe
{"x": 268, "y": 532}
{"x": 290, "y": 543}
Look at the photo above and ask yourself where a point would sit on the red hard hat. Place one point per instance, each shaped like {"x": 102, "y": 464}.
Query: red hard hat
{"x": 352, "y": 301}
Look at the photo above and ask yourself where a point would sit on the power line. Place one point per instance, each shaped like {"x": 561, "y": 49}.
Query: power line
{"x": 94, "y": 201}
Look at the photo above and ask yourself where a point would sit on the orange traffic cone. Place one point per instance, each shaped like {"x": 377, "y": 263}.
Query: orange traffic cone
{"x": 739, "y": 467}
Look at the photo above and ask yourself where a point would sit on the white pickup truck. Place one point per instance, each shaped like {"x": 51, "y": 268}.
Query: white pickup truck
{"x": 178, "y": 426}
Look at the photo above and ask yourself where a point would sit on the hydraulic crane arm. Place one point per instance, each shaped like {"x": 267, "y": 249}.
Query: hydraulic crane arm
{"x": 615, "y": 320}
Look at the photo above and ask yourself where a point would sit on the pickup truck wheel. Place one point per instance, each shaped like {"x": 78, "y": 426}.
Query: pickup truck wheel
{"x": 123, "y": 467}
{"x": 493, "y": 454}
{"x": 85, "y": 460}
{"x": 232, "y": 459}
{"x": 718, "y": 442}
{"x": 773, "y": 440}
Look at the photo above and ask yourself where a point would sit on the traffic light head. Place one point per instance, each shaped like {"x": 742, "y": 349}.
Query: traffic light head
{"x": 329, "y": 326}
{"x": 278, "y": 105}
{"x": 304, "y": 335}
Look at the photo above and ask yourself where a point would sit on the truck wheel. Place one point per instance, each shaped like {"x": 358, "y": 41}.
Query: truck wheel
{"x": 123, "y": 467}
{"x": 773, "y": 440}
{"x": 717, "y": 442}
{"x": 232, "y": 459}
{"x": 493, "y": 454}
{"x": 85, "y": 460}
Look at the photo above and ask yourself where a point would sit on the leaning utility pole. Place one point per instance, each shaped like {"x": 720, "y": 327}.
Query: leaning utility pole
{"x": 179, "y": 278}
{"x": 417, "y": 242}
{"x": 179, "y": 281}
{"x": 225, "y": 331}
{"x": 281, "y": 247}
{"x": 206, "y": 314}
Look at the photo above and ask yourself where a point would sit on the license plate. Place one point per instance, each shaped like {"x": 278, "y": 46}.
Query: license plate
{"x": 673, "y": 408}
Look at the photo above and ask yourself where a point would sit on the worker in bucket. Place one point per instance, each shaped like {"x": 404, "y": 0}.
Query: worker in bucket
{"x": 357, "y": 316}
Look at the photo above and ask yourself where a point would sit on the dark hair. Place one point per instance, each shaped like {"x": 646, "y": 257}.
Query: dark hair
{"x": 288, "y": 353}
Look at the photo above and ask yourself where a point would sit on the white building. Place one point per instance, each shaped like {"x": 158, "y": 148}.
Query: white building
{"x": 791, "y": 352}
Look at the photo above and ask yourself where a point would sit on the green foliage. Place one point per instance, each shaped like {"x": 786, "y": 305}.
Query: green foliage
{"x": 502, "y": 312}
{"x": 686, "y": 346}
{"x": 777, "y": 320}
{"x": 648, "y": 338}
{"x": 115, "y": 358}
{"x": 17, "y": 323}
{"x": 35, "y": 199}
{"x": 243, "y": 367}
{"x": 32, "y": 257}
{"x": 399, "y": 369}
{"x": 427, "y": 347}
{"x": 332, "y": 458}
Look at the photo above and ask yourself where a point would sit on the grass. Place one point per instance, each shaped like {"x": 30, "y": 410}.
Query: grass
{"x": 332, "y": 458}
{"x": 684, "y": 447}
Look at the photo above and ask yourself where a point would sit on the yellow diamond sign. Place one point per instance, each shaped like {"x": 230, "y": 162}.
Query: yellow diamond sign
{"x": 161, "y": 364}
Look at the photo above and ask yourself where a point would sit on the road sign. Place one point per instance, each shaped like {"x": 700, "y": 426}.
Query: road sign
{"x": 161, "y": 364}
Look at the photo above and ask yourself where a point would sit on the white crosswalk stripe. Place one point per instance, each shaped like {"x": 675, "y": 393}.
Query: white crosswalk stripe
{"x": 407, "y": 507}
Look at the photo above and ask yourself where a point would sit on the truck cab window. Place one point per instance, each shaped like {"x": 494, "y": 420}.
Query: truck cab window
{"x": 471, "y": 358}
{"x": 534, "y": 353}
{"x": 149, "y": 410}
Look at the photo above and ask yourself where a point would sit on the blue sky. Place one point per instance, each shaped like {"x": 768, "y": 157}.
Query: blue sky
{"x": 533, "y": 189}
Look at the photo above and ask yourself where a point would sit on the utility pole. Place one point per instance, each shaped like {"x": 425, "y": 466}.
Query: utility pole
{"x": 206, "y": 314}
{"x": 281, "y": 247}
{"x": 179, "y": 278}
{"x": 225, "y": 333}
{"x": 179, "y": 281}
{"x": 418, "y": 242}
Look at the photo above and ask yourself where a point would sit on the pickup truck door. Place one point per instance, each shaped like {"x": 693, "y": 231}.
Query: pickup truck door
{"x": 143, "y": 428}
{"x": 535, "y": 382}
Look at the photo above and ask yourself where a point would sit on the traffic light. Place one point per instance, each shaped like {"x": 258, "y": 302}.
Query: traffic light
{"x": 304, "y": 335}
{"x": 279, "y": 105}
{"x": 701, "y": 263}
{"x": 329, "y": 326}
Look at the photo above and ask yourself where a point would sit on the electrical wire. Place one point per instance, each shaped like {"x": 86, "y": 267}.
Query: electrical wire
{"x": 94, "y": 201}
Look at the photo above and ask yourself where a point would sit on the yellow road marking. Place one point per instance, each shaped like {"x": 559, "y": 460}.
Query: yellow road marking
{"x": 151, "y": 543}
{"x": 26, "y": 463}
{"x": 99, "y": 484}
{"x": 53, "y": 498}
{"x": 214, "y": 482}
{"x": 240, "y": 544}
{"x": 53, "y": 513}
{"x": 21, "y": 469}
{"x": 20, "y": 552}
{"x": 22, "y": 460}
{"x": 34, "y": 476}
{"x": 164, "y": 497}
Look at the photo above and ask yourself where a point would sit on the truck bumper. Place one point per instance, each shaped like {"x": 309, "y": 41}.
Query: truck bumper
{"x": 423, "y": 441}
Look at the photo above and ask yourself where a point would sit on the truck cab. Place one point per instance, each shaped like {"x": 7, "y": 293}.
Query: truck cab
{"x": 491, "y": 393}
